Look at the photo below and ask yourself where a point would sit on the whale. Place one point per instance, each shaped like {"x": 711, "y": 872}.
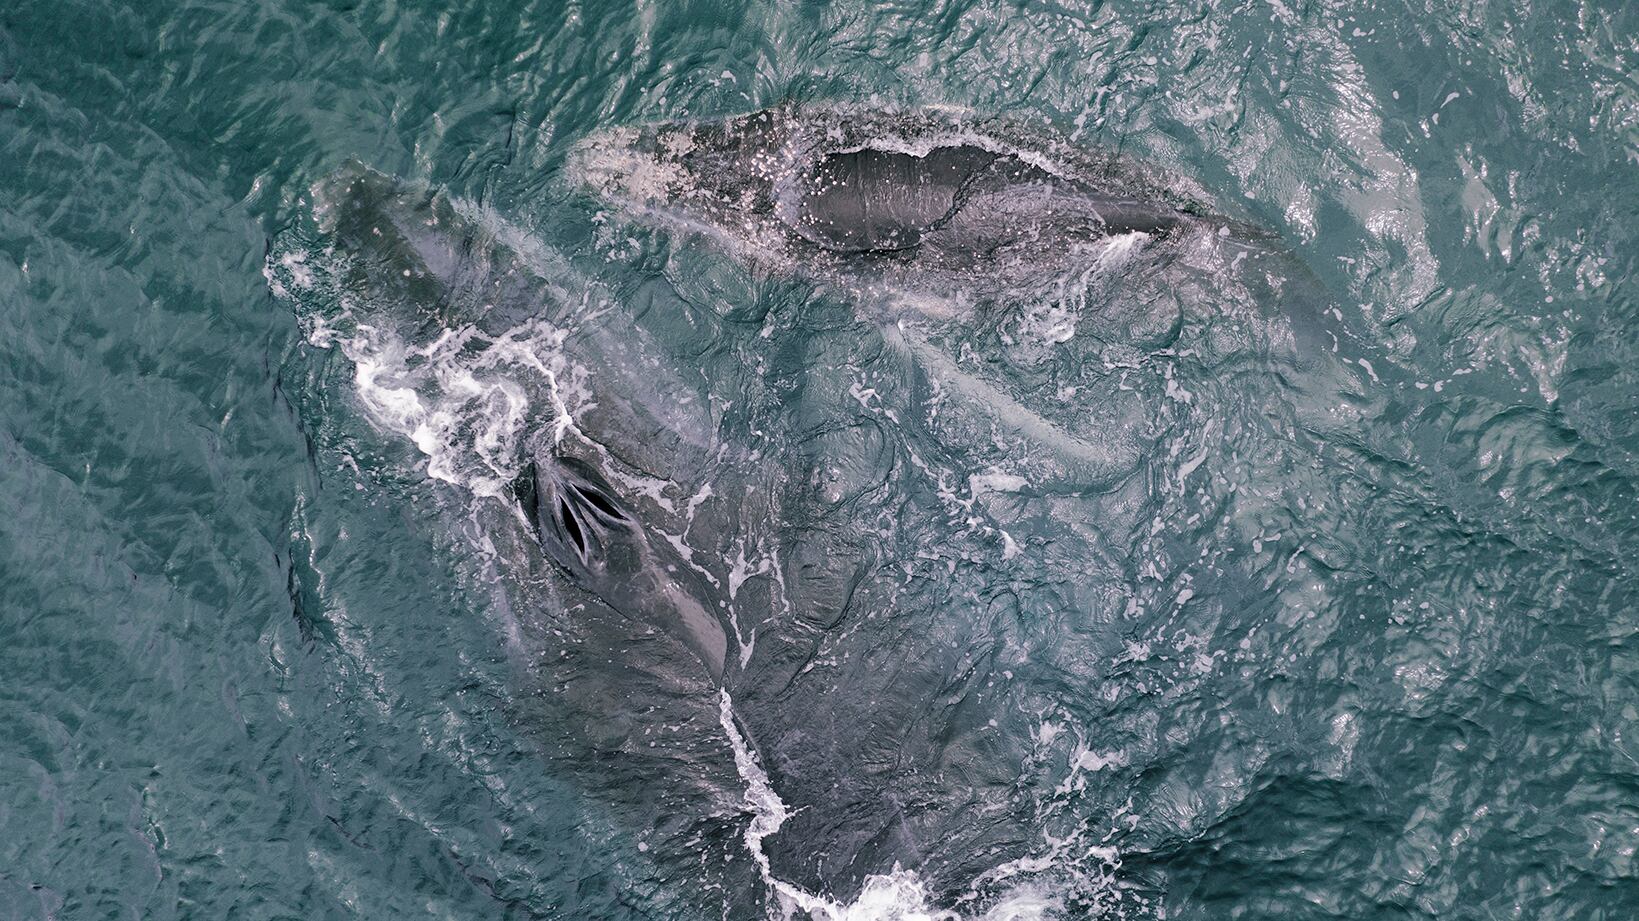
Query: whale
{"x": 994, "y": 253}
{"x": 951, "y": 226}
{"x": 652, "y": 566}
{"x": 660, "y": 666}
{"x": 929, "y": 200}
{"x": 610, "y": 515}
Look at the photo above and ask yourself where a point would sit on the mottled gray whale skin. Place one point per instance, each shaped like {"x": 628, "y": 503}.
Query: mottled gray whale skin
{"x": 930, "y": 201}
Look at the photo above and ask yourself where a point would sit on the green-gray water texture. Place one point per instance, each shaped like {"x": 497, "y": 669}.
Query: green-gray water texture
{"x": 250, "y": 662}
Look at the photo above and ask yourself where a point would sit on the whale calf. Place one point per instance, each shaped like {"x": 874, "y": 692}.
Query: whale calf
{"x": 942, "y": 211}
{"x": 930, "y": 201}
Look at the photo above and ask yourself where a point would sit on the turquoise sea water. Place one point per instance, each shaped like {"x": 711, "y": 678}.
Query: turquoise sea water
{"x": 271, "y": 645}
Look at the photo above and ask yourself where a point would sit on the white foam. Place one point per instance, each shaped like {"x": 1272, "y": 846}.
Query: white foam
{"x": 467, "y": 415}
{"x": 995, "y": 481}
{"x": 461, "y": 400}
{"x": 616, "y": 168}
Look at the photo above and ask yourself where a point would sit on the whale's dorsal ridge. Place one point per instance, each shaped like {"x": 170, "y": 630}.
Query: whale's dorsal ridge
{"x": 875, "y": 200}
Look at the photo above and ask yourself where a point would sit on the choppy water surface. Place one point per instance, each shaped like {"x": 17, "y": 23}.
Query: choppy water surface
{"x": 1276, "y": 574}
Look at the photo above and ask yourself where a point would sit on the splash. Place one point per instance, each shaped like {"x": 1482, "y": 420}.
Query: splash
{"x": 899, "y": 895}
{"x": 466, "y": 400}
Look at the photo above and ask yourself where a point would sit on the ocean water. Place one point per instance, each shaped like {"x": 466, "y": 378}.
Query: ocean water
{"x": 1126, "y": 599}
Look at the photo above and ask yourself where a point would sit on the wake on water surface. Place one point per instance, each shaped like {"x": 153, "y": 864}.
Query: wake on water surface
{"x": 864, "y": 615}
